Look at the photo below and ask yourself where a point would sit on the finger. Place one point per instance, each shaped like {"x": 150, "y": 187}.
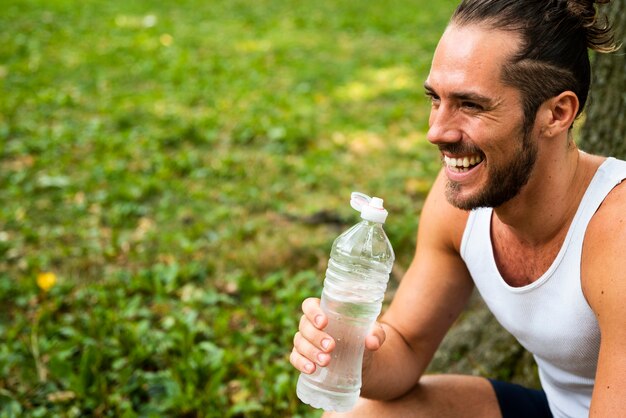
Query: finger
{"x": 321, "y": 340}
{"x": 309, "y": 351}
{"x": 376, "y": 337}
{"x": 300, "y": 362}
{"x": 312, "y": 310}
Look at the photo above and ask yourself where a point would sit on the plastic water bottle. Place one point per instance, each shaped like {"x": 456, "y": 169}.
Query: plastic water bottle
{"x": 356, "y": 279}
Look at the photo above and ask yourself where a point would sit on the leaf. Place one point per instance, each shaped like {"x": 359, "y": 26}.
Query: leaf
{"x": 53, "y": 182}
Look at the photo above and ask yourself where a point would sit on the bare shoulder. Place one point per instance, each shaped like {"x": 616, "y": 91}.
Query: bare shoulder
{"x": 611, "y": 212}
{"x": 610, "y": 217}
{"x": 440, "y": 220}
{"x": 603, "y": 263}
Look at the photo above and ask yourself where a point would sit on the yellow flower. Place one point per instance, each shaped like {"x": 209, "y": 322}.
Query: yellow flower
{"x": 46, "y": 280}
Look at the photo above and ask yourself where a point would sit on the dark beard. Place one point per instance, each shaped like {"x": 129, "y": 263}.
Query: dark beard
{"x": 505, "y": 182}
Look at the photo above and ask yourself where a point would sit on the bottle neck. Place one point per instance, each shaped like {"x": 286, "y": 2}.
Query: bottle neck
{"x": 371, "y": 224}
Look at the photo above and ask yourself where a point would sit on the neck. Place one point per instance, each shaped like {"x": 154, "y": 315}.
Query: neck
{"x": 546, "y": 205}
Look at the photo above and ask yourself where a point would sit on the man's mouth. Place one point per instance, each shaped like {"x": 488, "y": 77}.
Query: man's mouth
{"x": 462, "y": 164}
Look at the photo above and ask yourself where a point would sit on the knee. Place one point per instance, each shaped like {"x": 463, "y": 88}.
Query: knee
{"x": 364, "y": 408}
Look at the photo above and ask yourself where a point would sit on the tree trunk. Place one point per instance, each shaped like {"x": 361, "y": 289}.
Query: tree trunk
{"x": 478, "y": 345}
{"x": 604, "y": 131}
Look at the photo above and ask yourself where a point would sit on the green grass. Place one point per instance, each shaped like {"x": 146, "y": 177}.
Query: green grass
{"x": 163, "y": 161}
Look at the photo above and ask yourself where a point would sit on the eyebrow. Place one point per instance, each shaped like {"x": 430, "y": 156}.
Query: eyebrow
{"x": 464, "y": 95}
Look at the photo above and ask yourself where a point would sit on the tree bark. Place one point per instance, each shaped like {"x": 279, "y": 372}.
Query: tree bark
{"x": 478, "y": 345}
{"x": 604, "y": 130}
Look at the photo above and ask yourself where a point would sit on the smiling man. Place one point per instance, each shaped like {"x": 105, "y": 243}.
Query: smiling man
{"x": 519, "y": 212}
{"x": 466, "y": 101}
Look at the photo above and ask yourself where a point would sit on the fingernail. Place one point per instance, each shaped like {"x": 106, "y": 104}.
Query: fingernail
{"x": 318, "y": 320}
{"x": 308, "y": 367}
{"x": 322, "y": 358}
{"x": 325, "y": 343}
{"x": 378, "y": 343}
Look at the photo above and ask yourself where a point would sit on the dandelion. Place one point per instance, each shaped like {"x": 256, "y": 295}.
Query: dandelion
{"x": 166, "y": 39}
{"x": 46, "y": 281}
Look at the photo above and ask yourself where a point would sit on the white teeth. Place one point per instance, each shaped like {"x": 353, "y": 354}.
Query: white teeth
{"x": 458, "y": 164}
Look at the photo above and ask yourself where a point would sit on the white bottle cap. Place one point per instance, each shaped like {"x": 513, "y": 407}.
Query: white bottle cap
{"x": 371, "y": 208}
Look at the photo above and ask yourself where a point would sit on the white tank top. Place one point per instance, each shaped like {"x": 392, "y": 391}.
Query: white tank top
{"x": 549, "y": 317}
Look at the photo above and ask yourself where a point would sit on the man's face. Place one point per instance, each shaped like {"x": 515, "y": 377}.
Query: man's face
{"x": 476, "y": 120}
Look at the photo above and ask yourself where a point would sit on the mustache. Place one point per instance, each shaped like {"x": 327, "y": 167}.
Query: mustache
{"x": 459, "y": 148}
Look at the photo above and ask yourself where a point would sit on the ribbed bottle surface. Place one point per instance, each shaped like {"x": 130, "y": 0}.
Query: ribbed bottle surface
{"x": 354, "y": 289}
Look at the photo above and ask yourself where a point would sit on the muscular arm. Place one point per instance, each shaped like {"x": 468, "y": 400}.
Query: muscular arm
{"x": 431, "y": 295}
{"x": 604, "y": 285}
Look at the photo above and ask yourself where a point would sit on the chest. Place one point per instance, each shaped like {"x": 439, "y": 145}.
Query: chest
{"x": 550, "y": 318}
{"x": 543, "y": 305}
{"x": 520, "y": 264}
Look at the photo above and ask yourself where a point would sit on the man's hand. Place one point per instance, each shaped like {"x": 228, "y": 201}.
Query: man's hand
{"x": 312, "y": 346}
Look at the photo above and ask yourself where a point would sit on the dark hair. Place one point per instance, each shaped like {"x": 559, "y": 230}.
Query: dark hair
{"x": 555, "y": 36}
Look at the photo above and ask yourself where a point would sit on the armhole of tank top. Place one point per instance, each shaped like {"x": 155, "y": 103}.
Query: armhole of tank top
{"x": 614, "y": 172}
{"x": 471, "y": 220}
{"x": 620, "y": 171}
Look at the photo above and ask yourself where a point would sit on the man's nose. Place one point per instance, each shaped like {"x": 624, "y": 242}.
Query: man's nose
{"x": 443, "y": 125}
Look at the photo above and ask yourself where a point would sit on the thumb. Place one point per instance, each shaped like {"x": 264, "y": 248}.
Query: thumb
{"x": 376, "y": 337}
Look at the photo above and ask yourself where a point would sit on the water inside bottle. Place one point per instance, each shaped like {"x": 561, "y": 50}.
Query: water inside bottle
{"x": 337, "y": 386}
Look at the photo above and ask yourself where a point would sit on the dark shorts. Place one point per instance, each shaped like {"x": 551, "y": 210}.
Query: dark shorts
{"x": 519, "y": 402}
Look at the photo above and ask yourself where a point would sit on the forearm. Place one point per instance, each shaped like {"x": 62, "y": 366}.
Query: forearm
{"x": 394, "y": 369}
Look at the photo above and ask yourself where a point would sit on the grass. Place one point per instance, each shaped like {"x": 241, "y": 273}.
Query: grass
{"x": 179, "y": 171}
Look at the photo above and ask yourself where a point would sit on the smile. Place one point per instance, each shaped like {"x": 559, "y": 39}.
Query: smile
{"x": 462, "y": 164}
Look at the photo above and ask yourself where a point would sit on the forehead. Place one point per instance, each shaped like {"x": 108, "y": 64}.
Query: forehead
{"x": 471, "y": 57}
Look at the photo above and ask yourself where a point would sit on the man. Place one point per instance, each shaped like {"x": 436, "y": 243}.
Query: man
{"x": 507, "y": 81}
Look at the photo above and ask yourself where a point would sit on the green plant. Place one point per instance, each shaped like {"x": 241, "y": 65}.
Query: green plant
{"x": 181, "y": 169}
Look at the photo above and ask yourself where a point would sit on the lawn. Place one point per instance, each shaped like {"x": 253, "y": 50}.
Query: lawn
{"x": 172, "y": 175}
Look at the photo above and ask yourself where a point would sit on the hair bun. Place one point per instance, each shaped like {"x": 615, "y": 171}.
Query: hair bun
{"x": 598, "y": 31}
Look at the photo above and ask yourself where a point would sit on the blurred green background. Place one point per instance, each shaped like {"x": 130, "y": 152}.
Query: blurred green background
{"x": 172, "y": 175}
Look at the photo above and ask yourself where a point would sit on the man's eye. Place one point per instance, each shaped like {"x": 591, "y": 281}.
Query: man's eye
{"x": 433, "y": 98}
{"x": 471, "y": 106}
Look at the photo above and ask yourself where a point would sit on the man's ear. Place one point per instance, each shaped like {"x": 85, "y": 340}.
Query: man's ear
{"x": 558, "y": 113}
